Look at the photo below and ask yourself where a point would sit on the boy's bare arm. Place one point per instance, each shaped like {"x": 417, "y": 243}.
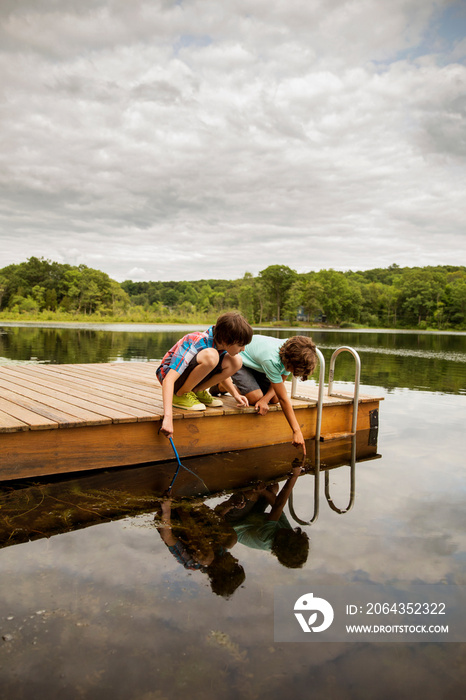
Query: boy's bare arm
{"x": 287, "y": 408}
{"x": 262, "y": 406}
{"x": 167, "y": 396}
{"x": 165, "y": 527}
{"x": 284, "y": 494}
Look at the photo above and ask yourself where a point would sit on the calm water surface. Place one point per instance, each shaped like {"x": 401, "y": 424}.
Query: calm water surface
{"x": 106, "y": 611}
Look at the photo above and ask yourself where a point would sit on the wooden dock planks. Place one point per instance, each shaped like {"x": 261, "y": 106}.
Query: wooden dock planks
{"x": 64, "y": 418}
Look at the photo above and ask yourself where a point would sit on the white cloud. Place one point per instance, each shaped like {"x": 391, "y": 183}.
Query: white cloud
{"x": 285, "y": 132}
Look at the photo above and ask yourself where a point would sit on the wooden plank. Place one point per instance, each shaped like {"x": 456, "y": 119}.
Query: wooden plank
{"x": 146, "y": 377}
{"x": 68, "y": 410}
{"x": 53, "y": 414}
{"x": 110, "y": 378}
{"x": 119, "y": 387}
{"x": 311, "y": 392}
{"x": 43, "y": 384}
{"x": 115, "y": 381}
{"x": 124, "y": 387}
{"x": 89, "y": 394}
{"x": 24, "y": 415}
{"x": 10, "y": 424}
{"x": 84, "y": 409}
{"x": 116, "y": 392}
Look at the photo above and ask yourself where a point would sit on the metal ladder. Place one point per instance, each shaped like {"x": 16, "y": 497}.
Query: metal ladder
{"x": 330, "y": 392}
{"x": 320, "y": 396}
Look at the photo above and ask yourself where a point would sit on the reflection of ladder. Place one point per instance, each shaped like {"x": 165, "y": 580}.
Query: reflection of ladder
{"x": 315, "y": 515}
{"x": 320, "y": 399}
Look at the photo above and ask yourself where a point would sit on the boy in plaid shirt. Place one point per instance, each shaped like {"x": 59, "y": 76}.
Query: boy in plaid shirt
{"x": 198, "y": 361}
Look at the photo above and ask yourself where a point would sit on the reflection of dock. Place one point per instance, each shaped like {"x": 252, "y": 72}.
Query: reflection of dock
{"x": 65, "y": 503}
{"x": 65, "y": 418}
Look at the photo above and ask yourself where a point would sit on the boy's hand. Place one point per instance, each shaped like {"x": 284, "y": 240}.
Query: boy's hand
{"x": 237, "y": 500}
{"x": 298, "y": 440}
{"x": 242, "y": 401}
{"x": 262, "y": 407}
{"x": 167, "y": 427}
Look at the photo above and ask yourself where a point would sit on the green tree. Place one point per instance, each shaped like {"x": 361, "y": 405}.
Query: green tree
{"x": 419, "y": 294}
{"x": 3, "y": 289}
{"x": 313, "y": 297}
{"x": 38, "y": 294}
{"x": 341, "y": 298}
{"x": 21, "y": 304}
{"x": 170, "y": 298}
{"x": 120, "y": 299}
{"x": 50, "y": 299}
{"x": 246, "y": 296}
{"x": 453, "y": 301}
{"x": 277, "y": 280}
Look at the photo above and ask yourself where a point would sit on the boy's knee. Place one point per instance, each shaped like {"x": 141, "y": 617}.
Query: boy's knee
{"x": 254, "y": 396}
{"x": 208, "y": 356}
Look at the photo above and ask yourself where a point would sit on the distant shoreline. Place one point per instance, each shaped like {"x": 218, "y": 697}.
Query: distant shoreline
{"x": 147, "y": 327}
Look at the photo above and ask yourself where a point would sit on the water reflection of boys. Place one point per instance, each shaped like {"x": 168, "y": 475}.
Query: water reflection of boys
{"x": 269, "y": 531}
{"x": 199, "y": 540}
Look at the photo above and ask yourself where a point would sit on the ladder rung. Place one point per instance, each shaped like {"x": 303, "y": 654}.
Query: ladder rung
{"x": 335, "y": 436}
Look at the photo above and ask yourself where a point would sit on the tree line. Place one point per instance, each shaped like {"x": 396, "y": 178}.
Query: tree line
{"x": 392, "y": 297}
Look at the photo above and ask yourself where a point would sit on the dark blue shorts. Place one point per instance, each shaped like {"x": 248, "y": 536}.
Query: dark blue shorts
{"x": 247, "y": 380}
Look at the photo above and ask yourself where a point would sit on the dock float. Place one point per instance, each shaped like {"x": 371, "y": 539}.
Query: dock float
{"x": 59, "y": 419}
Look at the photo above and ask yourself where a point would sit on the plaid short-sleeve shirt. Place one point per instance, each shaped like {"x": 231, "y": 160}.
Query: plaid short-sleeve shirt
{"x": 181, "y": 354}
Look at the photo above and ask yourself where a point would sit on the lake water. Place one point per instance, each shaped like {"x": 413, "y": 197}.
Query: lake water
{"x": 107, "y": 611}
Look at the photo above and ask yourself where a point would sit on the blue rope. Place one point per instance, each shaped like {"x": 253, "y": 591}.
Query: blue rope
{"x": 184, "y": 467}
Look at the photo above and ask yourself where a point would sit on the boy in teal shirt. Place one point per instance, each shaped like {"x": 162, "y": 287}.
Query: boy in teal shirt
{"x": 267, "y": 362}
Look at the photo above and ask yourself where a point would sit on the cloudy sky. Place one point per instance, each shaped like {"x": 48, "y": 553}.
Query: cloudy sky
{"x": 185, "y": 139}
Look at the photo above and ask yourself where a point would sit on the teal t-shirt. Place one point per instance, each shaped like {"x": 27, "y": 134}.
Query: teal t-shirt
{"x": 257, "y": 532}
{"x": 262, "y": 355}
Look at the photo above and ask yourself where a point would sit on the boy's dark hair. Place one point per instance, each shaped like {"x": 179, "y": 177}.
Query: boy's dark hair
{"x": 291, "y": 547}
{"x": 225, "y": 574}
{"x": 298, "y": 353}
{"x": 232, "y": 328}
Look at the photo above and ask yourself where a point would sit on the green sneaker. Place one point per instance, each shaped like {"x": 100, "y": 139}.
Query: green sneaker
{"x": 207, "y": 399}
{"x": 188, "y": 401}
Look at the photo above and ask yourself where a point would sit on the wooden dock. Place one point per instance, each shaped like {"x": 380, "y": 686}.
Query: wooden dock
{"x": 57, "y": 419}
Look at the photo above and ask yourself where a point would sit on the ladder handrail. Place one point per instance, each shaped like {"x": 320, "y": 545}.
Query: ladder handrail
{"x": 357, "y": 379}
